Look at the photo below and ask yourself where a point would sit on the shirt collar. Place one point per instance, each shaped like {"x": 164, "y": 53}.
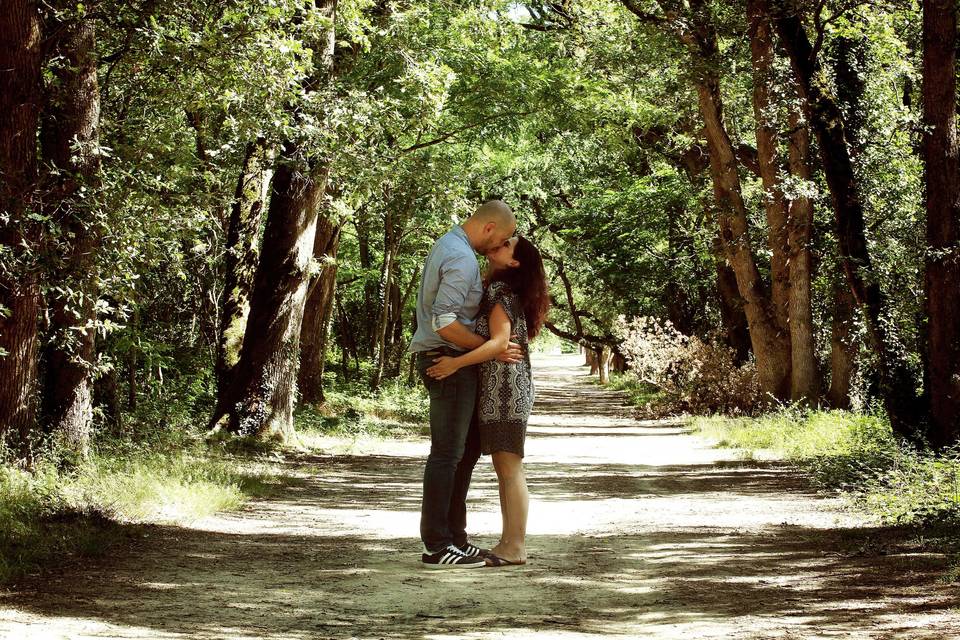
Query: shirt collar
{"x": 460, "y": 233}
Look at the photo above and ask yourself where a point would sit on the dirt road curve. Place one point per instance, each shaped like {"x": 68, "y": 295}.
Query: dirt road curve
{"x": 637, "y": 531}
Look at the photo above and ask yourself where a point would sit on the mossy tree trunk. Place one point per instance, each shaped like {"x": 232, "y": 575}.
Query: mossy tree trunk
{"x": 242, "y": 256}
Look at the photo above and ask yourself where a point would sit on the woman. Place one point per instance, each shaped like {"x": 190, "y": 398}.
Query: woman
{"x": 515, "y": 303}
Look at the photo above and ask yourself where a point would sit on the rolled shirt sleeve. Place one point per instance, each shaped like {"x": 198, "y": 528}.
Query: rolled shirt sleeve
{"x": 456, "y": 276}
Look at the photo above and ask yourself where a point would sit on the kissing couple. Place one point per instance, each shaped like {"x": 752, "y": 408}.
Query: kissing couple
{"x": 471, "y": 346}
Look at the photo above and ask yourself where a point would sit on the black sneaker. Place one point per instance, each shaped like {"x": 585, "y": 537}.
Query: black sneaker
{"x": 473, "y": 551}
{"x": 450, "y": 558}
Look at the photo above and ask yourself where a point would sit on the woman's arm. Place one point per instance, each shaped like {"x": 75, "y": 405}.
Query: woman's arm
{"x": 499, "y": 339}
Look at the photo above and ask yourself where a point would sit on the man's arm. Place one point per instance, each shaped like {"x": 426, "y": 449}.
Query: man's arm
{"x": 459, "y": 335}
{"x": 451, "y": 292}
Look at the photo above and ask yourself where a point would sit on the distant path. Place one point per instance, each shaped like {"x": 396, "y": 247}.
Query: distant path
{"x": 637, "y": 531}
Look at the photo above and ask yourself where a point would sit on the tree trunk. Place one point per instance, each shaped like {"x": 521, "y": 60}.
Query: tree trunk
{"x": 770, "y": 346}
{"x": 316, "y": 316}
{"x": 260, "y": 400}
{"x": 20, "y": 62}
{"x": 804, "y": 377}
{"x": 386, "y": 280}
{"x": 242, "y": 255}
{"x": 603, "y": 364}
{"x": 675, "y": 298}
{"x": 842, "y": 348}
{"x": 363, "y": 328}
{"x": 942, "y": 160}
{"x": 823, "y": 114}
{"x": 69, "y": 142}
{"x": 774, "y": 203}
{"x": 732, "y": 317}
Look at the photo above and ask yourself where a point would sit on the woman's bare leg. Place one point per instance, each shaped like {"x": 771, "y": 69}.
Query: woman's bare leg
{"x": 514, "y": 505}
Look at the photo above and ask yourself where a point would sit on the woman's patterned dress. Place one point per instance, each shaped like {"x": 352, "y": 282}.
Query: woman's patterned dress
{"x": 505, "y": 390}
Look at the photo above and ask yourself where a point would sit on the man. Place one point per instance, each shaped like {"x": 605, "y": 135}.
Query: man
{"x": 447, "y": 303}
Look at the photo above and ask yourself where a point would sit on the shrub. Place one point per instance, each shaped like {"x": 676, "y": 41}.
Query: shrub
{"x": 694, "y": 375}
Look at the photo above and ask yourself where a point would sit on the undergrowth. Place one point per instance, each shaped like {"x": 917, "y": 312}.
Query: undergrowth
{"x": 64, "y": 506}
{"x": 354, "y": 411}
{"x": 856, "y": 454}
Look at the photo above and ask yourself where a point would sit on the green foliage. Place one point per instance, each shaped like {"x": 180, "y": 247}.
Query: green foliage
{"x": 856, "y": 454}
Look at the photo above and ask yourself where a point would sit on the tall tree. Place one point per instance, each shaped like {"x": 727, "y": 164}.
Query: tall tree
{"x": 242, "y": 254}
{"x": 259, "y": 402}
{"x": 69, "y": 139}
{"x": 804, "y": 374}
{"x": 942, "y": 159}
{"x": 315, "y": 329}
{"x": 20, "y": 97}
{"x": 695, "y": 29}
{"x": 826, "y": 119}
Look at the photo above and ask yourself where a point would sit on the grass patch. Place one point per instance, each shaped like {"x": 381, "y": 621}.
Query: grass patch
{"x": 163, "y": 473}
{"x": 641, "y": 394}
{"x": 394, "y": 402}
{"x": 353, "y": 412}
{"x": 58, "y": 510}
{"x": 856, "y": 454}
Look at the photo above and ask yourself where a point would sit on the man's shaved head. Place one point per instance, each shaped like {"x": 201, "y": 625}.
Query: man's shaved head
{"x": 495, "y": 211}
{"x": 490, "y": 225}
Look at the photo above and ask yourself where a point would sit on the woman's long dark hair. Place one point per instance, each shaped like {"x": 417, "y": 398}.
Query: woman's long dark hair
{"x": 529, "y": 281}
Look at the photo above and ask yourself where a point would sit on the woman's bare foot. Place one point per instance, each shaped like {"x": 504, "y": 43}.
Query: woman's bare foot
{"x": 515, "y": 554}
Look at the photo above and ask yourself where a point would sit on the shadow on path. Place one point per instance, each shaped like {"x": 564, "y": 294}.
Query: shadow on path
{"x": 630, "y": 536}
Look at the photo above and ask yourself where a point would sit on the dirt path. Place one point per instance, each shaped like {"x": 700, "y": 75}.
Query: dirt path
{"x": 637, "y": 530}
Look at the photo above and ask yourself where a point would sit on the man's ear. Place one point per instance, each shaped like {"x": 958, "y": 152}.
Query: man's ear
{"x": 489, "y": 227}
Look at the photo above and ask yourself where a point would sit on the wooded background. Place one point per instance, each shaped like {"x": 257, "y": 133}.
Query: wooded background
{"x": 216, "y": 210}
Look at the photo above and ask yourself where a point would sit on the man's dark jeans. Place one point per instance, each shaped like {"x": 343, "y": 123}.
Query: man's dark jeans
{"x": 454, "y": 451}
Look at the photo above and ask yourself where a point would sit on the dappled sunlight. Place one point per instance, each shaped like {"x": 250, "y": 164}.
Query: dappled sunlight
{"x": 630, "y": 535}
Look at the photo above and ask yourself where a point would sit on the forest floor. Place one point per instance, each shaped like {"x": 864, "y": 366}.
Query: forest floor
{"x": 637, "y": 530}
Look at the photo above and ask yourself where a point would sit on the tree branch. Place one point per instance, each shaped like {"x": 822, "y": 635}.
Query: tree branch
{"x": 446, "y": 136}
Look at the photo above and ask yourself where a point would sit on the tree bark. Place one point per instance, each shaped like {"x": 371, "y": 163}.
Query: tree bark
{"x": 770, "y": 346}
{"x": 70, "y": 145}
{"x": 603, "y": 364}
{"x": 390, "y": 246}
{"x": 260, "y": 400}
{"x": 242, "y": 255}
{"x": 734, "y": 320}
{"x": 842, "y": 348}
{"x": 823, "y": 114}
{"x": 314, "y": 331}
{"x": 942, "y": 162}
{"x": 804, "y": 376}
{"x": 20, "y": 64}
{"x": 774, "y": 202}
{"x": 675, "y": 298}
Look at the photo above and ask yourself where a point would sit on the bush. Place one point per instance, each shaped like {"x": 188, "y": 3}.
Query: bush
{"x": 694, "y": 375}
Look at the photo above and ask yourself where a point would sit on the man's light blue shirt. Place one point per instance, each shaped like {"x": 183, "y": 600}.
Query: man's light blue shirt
{"x": 450, "y": 289}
